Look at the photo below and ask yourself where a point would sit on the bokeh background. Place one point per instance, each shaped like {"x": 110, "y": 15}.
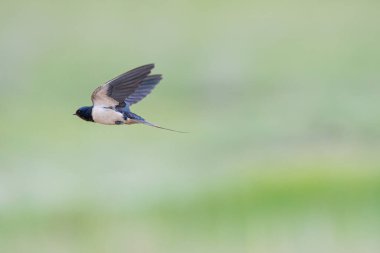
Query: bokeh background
{"x": 281, "y": 99}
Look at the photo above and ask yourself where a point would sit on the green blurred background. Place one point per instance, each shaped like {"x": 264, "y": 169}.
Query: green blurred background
{"x": 281, "y": 99}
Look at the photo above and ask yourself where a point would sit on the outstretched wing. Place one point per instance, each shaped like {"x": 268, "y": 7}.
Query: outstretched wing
{"x": 146, "y": 87}
{"x": 118, "y": 89}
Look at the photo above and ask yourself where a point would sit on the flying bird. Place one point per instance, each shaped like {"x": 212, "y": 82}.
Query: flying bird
{"x": 111, "y": 102}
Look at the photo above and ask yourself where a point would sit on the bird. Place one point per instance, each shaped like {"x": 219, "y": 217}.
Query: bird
{"x": 111, "y": 101}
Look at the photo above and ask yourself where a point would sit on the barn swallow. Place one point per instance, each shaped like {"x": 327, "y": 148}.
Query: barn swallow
{"x": 111, "y": 102}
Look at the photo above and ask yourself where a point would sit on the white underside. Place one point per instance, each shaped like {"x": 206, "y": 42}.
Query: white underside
{"x": 106, "y": 116}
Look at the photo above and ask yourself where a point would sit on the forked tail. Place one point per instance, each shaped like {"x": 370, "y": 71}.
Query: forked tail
{"x": 137, "y": 119}
{"x": 153, "y": 125}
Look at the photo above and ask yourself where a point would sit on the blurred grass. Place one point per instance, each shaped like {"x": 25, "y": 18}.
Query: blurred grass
{"x": 280, "y": 98}
{"x": 250, "y": 210}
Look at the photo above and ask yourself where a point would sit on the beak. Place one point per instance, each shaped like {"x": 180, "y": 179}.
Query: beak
{"x": 74, "y": 114}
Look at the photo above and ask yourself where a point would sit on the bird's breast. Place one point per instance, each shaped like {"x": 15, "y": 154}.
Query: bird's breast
{"x": 106, "y": 116}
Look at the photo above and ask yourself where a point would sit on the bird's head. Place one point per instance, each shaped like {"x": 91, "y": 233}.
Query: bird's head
{"x": 85, "y": 113}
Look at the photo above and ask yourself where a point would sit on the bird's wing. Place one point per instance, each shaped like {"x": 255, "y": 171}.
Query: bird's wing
{"x": 118, "y": 89}
{"x": 146, "y": 86}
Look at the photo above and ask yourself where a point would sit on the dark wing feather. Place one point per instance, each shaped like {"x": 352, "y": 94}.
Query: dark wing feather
{"x": 124, "y": 85}
{"x": 146, "y": 87}
{"x": 118, "y": 89}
